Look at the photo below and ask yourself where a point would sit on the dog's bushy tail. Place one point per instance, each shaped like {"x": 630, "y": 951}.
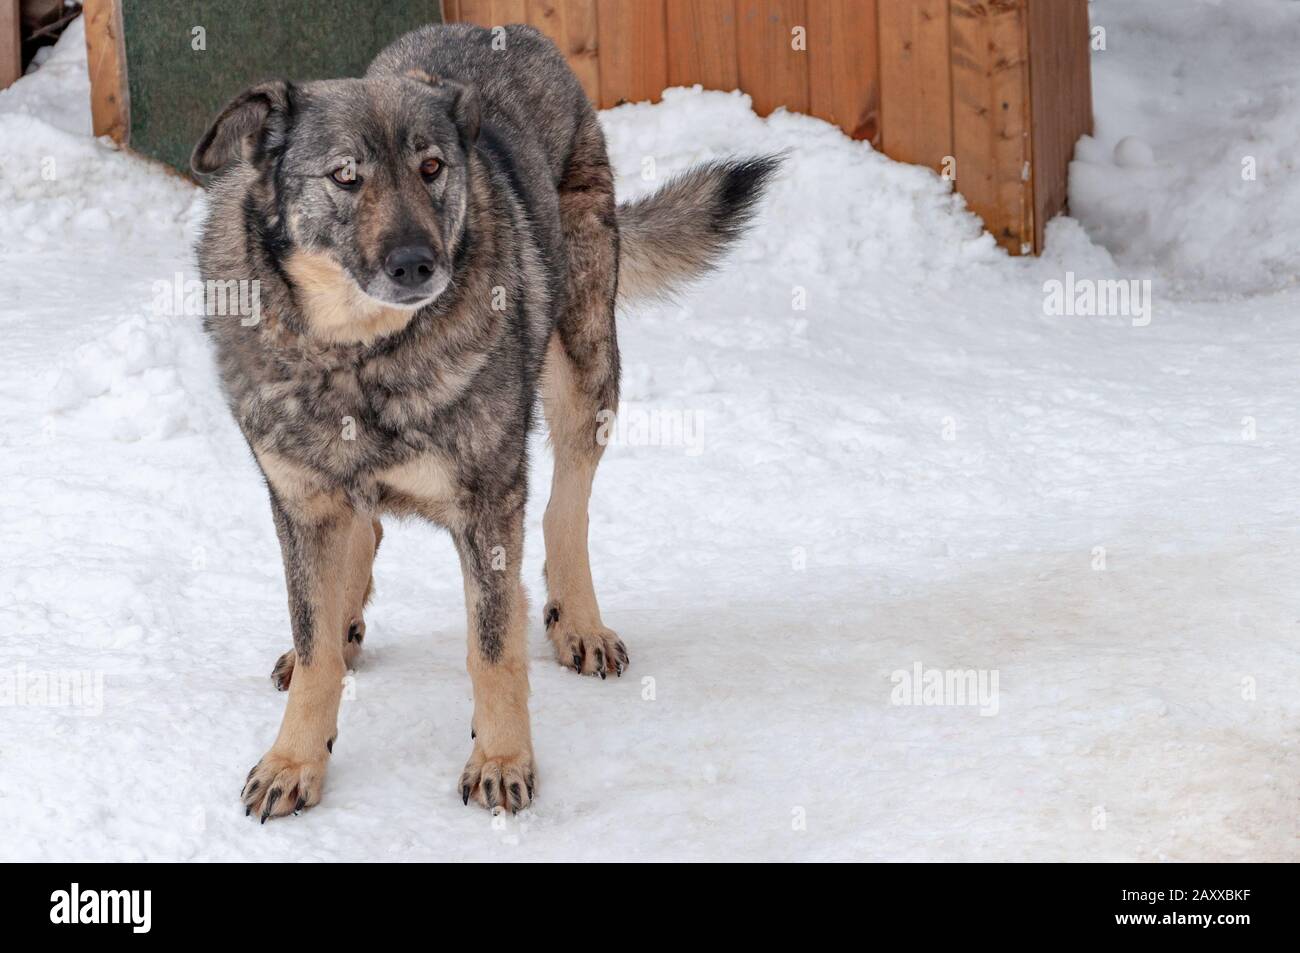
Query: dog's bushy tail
{"x": 678, "y": 233}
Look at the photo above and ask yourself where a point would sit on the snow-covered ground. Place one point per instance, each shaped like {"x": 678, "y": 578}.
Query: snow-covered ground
{"x": 892, "y": 457}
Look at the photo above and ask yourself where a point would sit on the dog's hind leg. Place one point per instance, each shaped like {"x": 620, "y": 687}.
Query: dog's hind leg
{"x": 580, "y": 397}
{"x": 360, "y": 586}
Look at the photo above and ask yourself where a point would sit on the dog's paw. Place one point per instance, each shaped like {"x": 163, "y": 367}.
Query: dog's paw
{"x": 587, "y": 649}
{"x": 279, "y": 785}
{"x": 498, "y": 783}
{"x": 282, "y": 674}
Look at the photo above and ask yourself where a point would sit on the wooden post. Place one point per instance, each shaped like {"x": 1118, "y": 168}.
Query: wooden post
{"x": 11, "y": 44}
{"x": 106, "y": 57}
{"x": 1060, "y": 86}
{"x": 991, "y": 117}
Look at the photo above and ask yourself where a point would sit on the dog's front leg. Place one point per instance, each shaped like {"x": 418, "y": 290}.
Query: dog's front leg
{"x": 318, "y": 530}
{"x": 499, "y": 773}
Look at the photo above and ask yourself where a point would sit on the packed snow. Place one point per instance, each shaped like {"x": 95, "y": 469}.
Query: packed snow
{"x": 862, "y": 454}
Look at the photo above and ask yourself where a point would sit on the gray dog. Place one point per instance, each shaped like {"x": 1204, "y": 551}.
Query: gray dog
{"x": 435, "y": 246}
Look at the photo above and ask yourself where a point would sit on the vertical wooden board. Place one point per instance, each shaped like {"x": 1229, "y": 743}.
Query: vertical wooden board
{"x": 548, "y": 16}
{"x": 702, "y": 44}
{"x": 1060, "y": 76}
{"x": 106, "y": 62}
{"x": 571, "y": 24}
{"x": 583, "y": 49}
{"x": 11, "y": 45}
{"x": 469, "y": 11}
{"x": 990, "y": 79}
{"x": 916, "y": 81}
{"x": 843, "y": 66}
{"x": 509, "y": 11}
{"x": 771, "y": 71}
{"x": 632, "y": 47}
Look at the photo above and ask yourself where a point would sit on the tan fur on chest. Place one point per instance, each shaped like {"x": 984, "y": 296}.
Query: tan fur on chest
{"x": 425, "y": 485}
{"x": 336, "y": 309}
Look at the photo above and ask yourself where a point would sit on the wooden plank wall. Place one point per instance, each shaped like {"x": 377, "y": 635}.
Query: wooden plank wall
{"x": 570, "y": 23}
{"x": 11, "y": 47}
{"x": 993, "y": 93}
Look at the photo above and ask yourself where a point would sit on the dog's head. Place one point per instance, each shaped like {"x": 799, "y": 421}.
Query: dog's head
{"x": 370, "y": 180}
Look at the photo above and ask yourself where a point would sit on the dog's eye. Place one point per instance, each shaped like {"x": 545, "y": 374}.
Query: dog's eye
{"x": 430, "y": 168}
{"x": 345, "y": 177}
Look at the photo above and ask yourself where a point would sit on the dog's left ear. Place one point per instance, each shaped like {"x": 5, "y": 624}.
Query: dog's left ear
{"x": 252, "y": 122}
{"x": 464, "y": 104}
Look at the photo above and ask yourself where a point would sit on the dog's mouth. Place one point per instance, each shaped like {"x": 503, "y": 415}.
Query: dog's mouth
{"x": 383, "y": 291}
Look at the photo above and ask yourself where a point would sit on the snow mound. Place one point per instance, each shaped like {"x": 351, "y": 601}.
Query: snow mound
{"x": 1210, "y": 196}
{"x": 846, "y": 205}
{"x": 129, "y": 382}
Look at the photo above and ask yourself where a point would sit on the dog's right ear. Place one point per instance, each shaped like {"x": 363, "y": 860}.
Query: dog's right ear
{"x": 465, "y": 110}
{"x": 256, "y": 120}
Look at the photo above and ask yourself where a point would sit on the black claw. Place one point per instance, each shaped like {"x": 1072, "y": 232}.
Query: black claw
{"x": 354, "y": 633}
{"x": 472, "y": 734}
{"x": 577, "y": 661}
{"x": 552, "y": 615}
{"x": 270, "y": 803}
{"x": 329, "y": 746}
{"x": 248, "y": 811}
{"x": 464, "y": 793}
{"x": 252, "y": 789}
{"x": 528, "y": 783}
{"x": 600, "y": 664}
{"x": 299, "y": 805}
{"x": 516, "y": 795}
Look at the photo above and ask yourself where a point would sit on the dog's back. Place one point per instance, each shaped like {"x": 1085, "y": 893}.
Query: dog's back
{"x": 529, "y": 96}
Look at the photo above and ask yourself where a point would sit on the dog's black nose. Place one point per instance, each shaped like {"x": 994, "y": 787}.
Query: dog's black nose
{"x": 409, "y": 265}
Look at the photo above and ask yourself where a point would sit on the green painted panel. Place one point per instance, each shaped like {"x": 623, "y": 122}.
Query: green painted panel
{"x": 180, "y": 75}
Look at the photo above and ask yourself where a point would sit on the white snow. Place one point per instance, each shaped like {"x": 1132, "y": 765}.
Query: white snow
{"x": 920, "y": 467}
{"x": 1212, "y": 88}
